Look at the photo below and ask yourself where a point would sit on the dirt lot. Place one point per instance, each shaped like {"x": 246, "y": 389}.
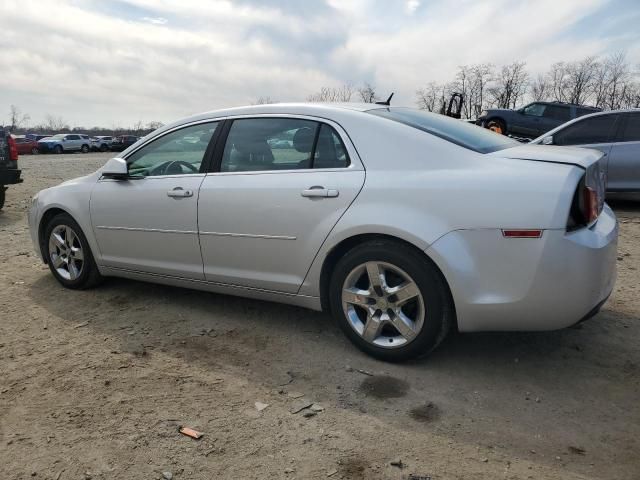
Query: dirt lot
{"x": 94, "y": 384}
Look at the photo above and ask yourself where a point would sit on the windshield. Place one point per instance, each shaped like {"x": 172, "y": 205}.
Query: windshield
{"x": 455, "y": 131}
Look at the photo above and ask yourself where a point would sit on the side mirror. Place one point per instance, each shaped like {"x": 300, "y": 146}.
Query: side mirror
{"x": 115, "y": 168}
{"x": 548, "y": 140}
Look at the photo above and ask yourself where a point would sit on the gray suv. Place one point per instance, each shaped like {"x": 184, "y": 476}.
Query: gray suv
{"x": 616, "y": 134}
{"x": 531, "y": 120}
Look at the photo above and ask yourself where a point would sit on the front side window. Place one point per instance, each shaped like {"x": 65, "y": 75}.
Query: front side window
{"x": 631, "y": 131}
{"x": 591, "y": 130}
{"x": 263, "y": 144}
{"x": 535, "y": 109}
{"x": 176, "y": 153}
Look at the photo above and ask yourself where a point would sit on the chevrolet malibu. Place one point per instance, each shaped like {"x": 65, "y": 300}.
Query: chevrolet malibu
{"x": 401, "y": 223}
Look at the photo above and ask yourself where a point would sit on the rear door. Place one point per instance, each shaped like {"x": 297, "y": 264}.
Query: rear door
{"x": 279, "y": 185}
{"x": 553, "y": 116}
{"x": 72, "y": 142}
{"x": 624, "y": 159}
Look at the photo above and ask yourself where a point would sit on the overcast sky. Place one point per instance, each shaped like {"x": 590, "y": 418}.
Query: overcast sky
{"x": 108, "y": 63}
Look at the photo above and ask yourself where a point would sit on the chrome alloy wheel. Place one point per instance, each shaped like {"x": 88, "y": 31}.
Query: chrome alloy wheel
{"x": 65, "y": 252}
{"x": 383, "y": 304}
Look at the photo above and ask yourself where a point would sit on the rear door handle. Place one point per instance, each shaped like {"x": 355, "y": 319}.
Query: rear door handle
{"x": 179, "y": 192}
{"x": 319, "y": 192}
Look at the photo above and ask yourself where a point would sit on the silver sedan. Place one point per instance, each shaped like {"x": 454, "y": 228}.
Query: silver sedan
{"x": 401, "y": 223}
{"x": 616, "y": 134}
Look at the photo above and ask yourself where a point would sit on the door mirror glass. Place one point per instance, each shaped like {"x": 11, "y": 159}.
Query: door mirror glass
{"x": 115, "y": 168}
{"x": 548, "y": 140}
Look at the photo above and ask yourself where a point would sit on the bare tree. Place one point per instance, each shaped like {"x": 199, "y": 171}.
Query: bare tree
{"x": 618, "y": 75}
{"x": 137, "y": 127}
{"x": 557, "y": 81}
{"x": 539, "y": 88}
{"x": 367, "y": 93}
{"x": 483, "y": 73}
{"x": 154, "y": 125}
{"x": 428, "y": 97}
{"x": 510, "y": 85}
{"x": 579, "y": 80}
{"x": 17, "y": 118}
{"x": 264, "y": 100}
{"x": 55, "y": 123}
{"x": 333, "y": 94}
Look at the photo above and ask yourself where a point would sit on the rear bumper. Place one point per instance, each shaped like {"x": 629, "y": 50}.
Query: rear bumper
{"x": 501, "y": 284}
{"x": 10, "y": 176}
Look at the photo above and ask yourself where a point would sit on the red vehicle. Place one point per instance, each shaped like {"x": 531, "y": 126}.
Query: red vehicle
{"x": 26, "y": 145}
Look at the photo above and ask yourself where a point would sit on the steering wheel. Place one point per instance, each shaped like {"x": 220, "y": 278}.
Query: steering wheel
{"x": 173, "y": 167}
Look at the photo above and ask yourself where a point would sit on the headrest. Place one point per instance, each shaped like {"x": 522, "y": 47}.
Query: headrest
{"x": 303, "y": 140}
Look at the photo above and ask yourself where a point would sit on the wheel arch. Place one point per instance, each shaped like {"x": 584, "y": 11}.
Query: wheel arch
{"x": 44, "y": 220}
{"x": 347, "y": 244}
{"x": 497, "y": 118}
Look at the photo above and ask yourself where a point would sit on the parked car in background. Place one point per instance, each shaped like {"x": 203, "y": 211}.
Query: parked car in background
{"x": 65, "y": 142}
{"x": 616, "y": 134}
{"x": 531, "y": 120}
{"x": 27, "y": 145}
{"x": 454, "y": 226}
{"x": 101, "y": 143}
{"x": 9, "y": 173}
{"x": 36, "y": 136}
{"x": 123, "y": 142}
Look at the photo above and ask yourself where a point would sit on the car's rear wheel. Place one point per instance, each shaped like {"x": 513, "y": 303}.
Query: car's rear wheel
{"x": 35, "y": 151}
{"x": 103, "y": 148}
{"x": 497, "y": 126}
{"x": 390, "y": 300}
{"x": 85, "y": 149}
{"x": 58, "y": 149}
{"x": 69, "y": 255}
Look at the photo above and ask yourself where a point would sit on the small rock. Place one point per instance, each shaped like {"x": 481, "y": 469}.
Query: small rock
{"x": 576, "y": 450}
{"x": 300, "y": 405}
{"x": 348, "y": 368}
{"x": 288, "y": 470}
{"x": 167, "y": 475}
{"x": 558, "y": 458}
{"x": 538, "y": 400}
{"x": 331, "y": 473}
{"x": 261, "y": 406}
{"x": 619, "y": 259}
{"x": 295, "y": 395}
{"x": 309, "y": 413}
{"x": 397, "y": 463}
{"x": 316, "y": 407}
{"x": 485, "y": 460}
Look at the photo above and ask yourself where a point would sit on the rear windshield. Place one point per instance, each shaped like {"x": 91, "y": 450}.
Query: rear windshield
{"x": 455, "y": 131}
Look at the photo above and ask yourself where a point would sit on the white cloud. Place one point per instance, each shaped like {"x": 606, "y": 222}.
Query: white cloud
{"x": 162, "y": 59}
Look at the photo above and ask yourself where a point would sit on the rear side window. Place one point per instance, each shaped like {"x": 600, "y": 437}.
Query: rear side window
{"x": 557, "y": 112}
{"x": 455, "y": 131}
{"x": 591, "y": 130}
{"x": 263, "y": 144}
{"x": 535, "y": 109}
{"x": 584, "y": 111}
{"x": 631, "y": 132}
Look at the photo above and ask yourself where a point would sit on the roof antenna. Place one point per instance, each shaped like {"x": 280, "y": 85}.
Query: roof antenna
{"x": 387, "y": 102}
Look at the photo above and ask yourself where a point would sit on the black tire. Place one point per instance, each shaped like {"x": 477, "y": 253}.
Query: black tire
{"x": 3, "y": 195}
{"x": 89, "y": 275}
{"x": 439, "y": 316}
{"x": 58, "y": 149}
{"x": 84, "y": 149}
{"x": 35, "y": 151}
{"x": 497, "y": 126}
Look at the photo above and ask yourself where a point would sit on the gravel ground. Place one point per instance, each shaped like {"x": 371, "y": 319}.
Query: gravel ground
{"x": 95, "y": 384}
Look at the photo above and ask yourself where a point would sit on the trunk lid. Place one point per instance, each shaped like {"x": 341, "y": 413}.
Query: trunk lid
{"x": 581, "y": 157}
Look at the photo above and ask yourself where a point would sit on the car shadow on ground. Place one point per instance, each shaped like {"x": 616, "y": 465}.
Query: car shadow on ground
{"x": 476, "y": 387}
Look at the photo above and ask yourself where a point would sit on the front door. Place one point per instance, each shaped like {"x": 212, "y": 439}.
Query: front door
{"x": 282, "y": 185}
{"x": 149, "y": 222}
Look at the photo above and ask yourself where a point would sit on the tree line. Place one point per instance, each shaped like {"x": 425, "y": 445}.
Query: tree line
{"x": 609, "y": 83}
{"x": 52, "y": 124}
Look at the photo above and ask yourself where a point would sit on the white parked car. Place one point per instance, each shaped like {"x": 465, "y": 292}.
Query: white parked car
{"x": 101, "y": 143}
{"x": 403, "y": 224}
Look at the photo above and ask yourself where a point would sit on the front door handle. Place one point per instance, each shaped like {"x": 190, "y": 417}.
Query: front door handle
{"x": 179, "y": 192}
{"x": 319, "y": 192}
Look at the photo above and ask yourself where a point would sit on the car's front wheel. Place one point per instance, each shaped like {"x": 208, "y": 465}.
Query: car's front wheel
{"x": 58, "y": 149}
{"x": 390, "y": 300}
{"x": 497, "y": 126}
{"x": 35, "y": 151}
{"x": 69, "y": 255}
{"x": 85, "y": 149}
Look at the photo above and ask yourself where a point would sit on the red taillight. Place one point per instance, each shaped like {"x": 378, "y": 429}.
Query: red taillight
{"x": 522, "y": 233}
{"x": 590, "y": 204}
{"x": 13, "y": 149}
